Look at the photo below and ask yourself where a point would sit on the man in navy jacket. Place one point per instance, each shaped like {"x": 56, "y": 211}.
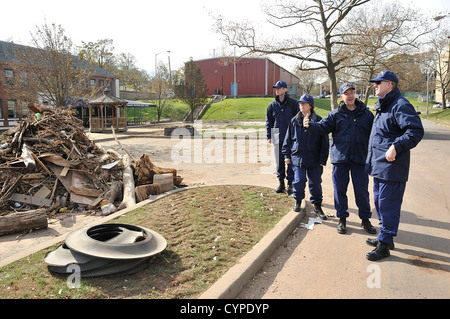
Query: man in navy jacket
{"x": 350, "y": 126}
{"x": 279, "y": 114}
{"x": 396, "y": 129}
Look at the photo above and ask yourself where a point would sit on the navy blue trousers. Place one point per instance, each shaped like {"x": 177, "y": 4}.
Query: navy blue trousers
{"x": 283, "y": 170}
{"x": 388, "y": 198}
{"x": 315, "y": 183}
{"x": 360, "y": 180}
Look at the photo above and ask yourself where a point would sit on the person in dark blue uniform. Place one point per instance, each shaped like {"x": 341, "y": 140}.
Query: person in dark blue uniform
{"x": 350, "y": 125}
{"x": 279, "y": 114}
{"x": 307, "y": 153}
{"x": 396, "y": 130}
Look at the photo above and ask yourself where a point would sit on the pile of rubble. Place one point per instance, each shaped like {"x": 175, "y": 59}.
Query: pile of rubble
{"x": 48, "y": 165}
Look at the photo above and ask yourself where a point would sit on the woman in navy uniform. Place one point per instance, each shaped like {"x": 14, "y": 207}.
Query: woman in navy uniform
{"x": 396, "y": 129}
{"x": 350, "y": 125}
{"x": 307, "y": 153}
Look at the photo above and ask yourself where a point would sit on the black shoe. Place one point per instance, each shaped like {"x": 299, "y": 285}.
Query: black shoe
{"x": 297, "y": 205}
{"x": 374, "y": 242}
{"x": 342, "y": 226}
{"x": 365, "y": 223}
{"x": 280, "y": 188}
{"x": 382, "y": 251}
{"x": 318, "y": 211}
{"x": 290, "y": 189}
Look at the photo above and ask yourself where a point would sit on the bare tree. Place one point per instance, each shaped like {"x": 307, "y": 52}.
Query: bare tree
{"x": 190, "y": 87}
{"x": 162, "y": 89}
{"x": 383, "y": 36}
{"x": 53, "y": 72}
{"x": 440, "y": 51}
{"x": 315, "y": 21}
{"x": 307, "y": 79}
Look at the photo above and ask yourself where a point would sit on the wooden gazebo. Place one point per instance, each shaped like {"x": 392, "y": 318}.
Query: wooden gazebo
{"x": 106, "y": 112}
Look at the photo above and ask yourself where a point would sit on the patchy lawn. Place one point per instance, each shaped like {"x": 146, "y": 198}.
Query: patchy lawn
{"x": 207, "y": 229}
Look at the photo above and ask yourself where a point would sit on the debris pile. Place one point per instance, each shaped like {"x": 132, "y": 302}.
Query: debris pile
{"x": 48, "y": 165}
{"x": 106, "y": 249}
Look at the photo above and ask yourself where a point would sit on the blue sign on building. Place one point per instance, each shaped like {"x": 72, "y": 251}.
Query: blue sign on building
{"x": 234, "y": 88}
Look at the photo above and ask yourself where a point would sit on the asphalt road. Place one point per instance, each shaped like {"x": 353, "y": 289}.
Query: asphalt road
{"x": 321, "y": 263}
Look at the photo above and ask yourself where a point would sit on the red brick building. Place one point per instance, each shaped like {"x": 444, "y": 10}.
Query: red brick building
{"x": 15, "y": 93}
{"x": 254, "y": 76}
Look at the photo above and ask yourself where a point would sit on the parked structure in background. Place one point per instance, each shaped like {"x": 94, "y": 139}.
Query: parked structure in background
{"x": 16, "y": 92}
{"x": 245, "y": 76}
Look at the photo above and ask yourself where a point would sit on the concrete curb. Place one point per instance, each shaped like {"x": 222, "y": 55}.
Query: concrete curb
{"x": 233, "y": 281}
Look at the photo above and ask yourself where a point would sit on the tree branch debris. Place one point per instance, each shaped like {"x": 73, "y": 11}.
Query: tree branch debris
{"x": 49, "y": 165}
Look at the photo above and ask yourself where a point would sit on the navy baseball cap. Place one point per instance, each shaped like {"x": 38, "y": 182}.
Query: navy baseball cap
{"x": 385, "y": 76}
{"x": 306, "y": 98}
{"x": 344, "y": 87}
{"x": 280, "y": 84}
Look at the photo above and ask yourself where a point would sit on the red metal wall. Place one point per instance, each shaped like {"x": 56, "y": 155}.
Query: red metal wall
{"x": 250, "y": 75}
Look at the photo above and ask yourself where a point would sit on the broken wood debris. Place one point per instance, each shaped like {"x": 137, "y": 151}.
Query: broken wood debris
{"x": 48, "y": 164}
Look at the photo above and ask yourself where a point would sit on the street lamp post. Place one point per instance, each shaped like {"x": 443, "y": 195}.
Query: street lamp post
{"x": 156, "y": 60}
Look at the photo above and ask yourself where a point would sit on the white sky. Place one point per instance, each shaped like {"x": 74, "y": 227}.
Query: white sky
{"x": 144, "y": 28}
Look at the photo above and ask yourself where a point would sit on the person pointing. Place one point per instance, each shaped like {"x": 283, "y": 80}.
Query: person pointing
{"x": 308, "y": 153}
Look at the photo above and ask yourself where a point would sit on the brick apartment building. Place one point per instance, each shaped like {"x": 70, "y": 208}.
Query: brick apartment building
{"x": 15, "y": 94}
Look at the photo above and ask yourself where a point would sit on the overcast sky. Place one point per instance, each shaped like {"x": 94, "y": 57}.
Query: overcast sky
{"x": 144, "y": 28}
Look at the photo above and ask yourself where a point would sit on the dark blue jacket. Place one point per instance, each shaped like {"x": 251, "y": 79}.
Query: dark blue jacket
{"x": 279, "y": 114}
{"x": 304, "y": 148}
{"x": 396, "y": 122}
{"x": 350, "y": 132}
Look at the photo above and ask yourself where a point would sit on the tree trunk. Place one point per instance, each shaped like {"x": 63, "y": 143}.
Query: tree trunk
{"x": 107, "y": 204}
{"x": 128, "y": 184}
{"x": 23, "y": 221}
{"x": 143, "y": 191}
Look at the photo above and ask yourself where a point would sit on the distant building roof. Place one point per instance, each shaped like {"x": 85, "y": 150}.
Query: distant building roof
{"x": 7, "y": 54}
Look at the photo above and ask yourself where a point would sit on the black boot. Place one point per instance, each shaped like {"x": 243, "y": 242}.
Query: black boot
{"x": 318, "y": 211}
{"x": 382, "y": 251}
{"x": 342, "y": 226}
{"x": 374, "y": 242}
{"x": 297, "y": 205}
{"x": 290, "y": 189}
{"x": 281, "y": 187}
{"x": 365, "y": 223}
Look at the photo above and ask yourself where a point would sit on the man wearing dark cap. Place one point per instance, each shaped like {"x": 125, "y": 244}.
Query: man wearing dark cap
{"x": 279, "y": 114}
{"x": 396, "y": 130}
{"x": 350, "y": 125}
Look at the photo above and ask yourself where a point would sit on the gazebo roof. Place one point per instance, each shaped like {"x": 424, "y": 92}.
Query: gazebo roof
{"x": 107, "y": 99}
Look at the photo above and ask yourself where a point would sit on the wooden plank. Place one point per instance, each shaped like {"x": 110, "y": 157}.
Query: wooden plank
{"x": 65, "y": 171}
{"x": 86, "y": 191}
{"x": 42, "y": 164}
{"x": 33, "y": 200}
{"x": 44, "y": 192}
{"x": 78, "y": 180}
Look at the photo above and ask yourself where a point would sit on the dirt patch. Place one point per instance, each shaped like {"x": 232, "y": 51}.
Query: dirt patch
{"x": 208, "y": 229}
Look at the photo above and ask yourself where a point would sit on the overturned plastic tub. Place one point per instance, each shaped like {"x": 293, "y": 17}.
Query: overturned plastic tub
{"x": 106, "y": 249}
